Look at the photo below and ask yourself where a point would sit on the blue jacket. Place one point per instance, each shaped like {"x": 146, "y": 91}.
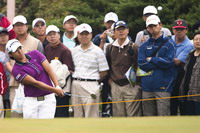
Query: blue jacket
{"x": 96, "y": 40}
{"x": 161, "y": 65}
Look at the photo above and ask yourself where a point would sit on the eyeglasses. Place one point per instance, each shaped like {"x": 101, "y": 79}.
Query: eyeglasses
{"x": 196, "y": 39}
{"x": 38, "y": 25}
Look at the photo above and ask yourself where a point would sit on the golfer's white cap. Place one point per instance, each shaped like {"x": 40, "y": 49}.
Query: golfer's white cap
{"x": 13, "y": 45}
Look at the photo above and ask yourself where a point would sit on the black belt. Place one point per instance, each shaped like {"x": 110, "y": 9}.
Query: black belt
{"x": 80, "y": 79}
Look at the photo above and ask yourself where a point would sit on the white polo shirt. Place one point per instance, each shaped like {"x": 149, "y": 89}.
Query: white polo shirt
{"x": 88, "y": 63}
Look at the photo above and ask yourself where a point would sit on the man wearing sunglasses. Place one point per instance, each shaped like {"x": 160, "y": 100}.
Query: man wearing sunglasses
{"x": 39, "y": 29}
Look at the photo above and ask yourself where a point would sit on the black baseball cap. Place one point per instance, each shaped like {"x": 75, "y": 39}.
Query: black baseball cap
{"x": 180, "y": 23}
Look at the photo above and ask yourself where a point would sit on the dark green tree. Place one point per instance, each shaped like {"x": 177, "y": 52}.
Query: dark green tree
{"x": 93, "y": 11}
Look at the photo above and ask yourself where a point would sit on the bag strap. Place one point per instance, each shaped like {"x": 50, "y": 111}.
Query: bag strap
{"x": 70, "y": 76}
{"x": 156, "y": 51}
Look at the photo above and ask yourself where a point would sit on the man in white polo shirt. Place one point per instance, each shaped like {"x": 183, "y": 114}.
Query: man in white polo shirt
{"x": 90, "y": 68}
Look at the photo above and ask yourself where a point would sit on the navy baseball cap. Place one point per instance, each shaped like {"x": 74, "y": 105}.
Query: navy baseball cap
{"x": 3, "y": 30}
{"x": 120, "y": 24}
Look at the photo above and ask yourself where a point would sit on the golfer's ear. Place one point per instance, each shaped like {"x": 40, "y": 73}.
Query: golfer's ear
{"x": 10, "y": 55}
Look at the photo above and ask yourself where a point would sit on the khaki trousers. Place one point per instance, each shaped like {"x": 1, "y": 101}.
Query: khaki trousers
{"x": 159, "y": 107}
{"x": 82, "y": 91}
{"x": 126, "y": 93}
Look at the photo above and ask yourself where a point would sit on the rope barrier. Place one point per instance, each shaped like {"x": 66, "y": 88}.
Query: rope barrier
{"x": 138, "y": 100}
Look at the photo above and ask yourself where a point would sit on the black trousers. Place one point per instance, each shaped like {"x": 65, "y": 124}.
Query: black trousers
{"x": 176, "y": 105}
{"x": 62, "y": 111}
{"x": 6, "y": 104}
{"x": 106, "y": 97}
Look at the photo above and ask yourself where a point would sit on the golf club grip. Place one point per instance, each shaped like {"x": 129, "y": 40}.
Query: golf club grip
{"x": 67, "y": 94}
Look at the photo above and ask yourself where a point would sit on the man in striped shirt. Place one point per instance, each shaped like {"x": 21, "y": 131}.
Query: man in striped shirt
{"x": 90, "y": 68}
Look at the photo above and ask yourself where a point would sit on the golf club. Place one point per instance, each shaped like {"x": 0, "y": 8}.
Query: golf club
{"x": 93, "y": 96}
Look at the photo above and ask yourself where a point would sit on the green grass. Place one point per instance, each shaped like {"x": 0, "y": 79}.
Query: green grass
{"x": 103, "y": 125}
{"x": 8, "y": 114}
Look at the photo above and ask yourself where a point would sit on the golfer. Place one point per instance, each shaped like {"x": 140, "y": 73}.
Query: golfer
{"x": 33, "y": 70}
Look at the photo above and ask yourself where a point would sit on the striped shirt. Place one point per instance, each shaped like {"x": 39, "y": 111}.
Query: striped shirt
{"x": 88, "y": 63}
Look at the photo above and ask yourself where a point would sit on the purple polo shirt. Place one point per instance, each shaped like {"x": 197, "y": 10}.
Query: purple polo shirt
{"x": 35, "y": 69}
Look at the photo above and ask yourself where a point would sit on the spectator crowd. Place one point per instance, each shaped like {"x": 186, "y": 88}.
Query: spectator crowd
{"x": 65, "y": 74}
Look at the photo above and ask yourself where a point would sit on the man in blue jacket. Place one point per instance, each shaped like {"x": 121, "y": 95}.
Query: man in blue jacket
{"x": 157, "y": 69}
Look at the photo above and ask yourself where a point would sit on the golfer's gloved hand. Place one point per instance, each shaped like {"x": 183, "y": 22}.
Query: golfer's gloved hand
{"x": 59, "y": 91}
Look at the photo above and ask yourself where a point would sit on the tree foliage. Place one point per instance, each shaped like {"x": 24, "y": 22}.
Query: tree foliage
{"x": 93, "y": 11}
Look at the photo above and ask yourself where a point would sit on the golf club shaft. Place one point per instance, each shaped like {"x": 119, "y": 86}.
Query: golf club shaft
{"x": 69, "y": 94}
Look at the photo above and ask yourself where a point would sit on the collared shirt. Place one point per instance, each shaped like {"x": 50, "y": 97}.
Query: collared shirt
{"x": 29, "y": 44}
{"x": 34, "y": 68}
{"x": 88, "y": 63}
{"x": 70, "y": 43}
{"x": 126, "y": 42}
{"x": 110, "y": 39}
{"x": 183, "y": 49}
{"x": 119, "y": 61}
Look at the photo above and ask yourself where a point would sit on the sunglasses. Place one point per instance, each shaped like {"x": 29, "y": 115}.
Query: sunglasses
{"x": 38, "y": 25}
